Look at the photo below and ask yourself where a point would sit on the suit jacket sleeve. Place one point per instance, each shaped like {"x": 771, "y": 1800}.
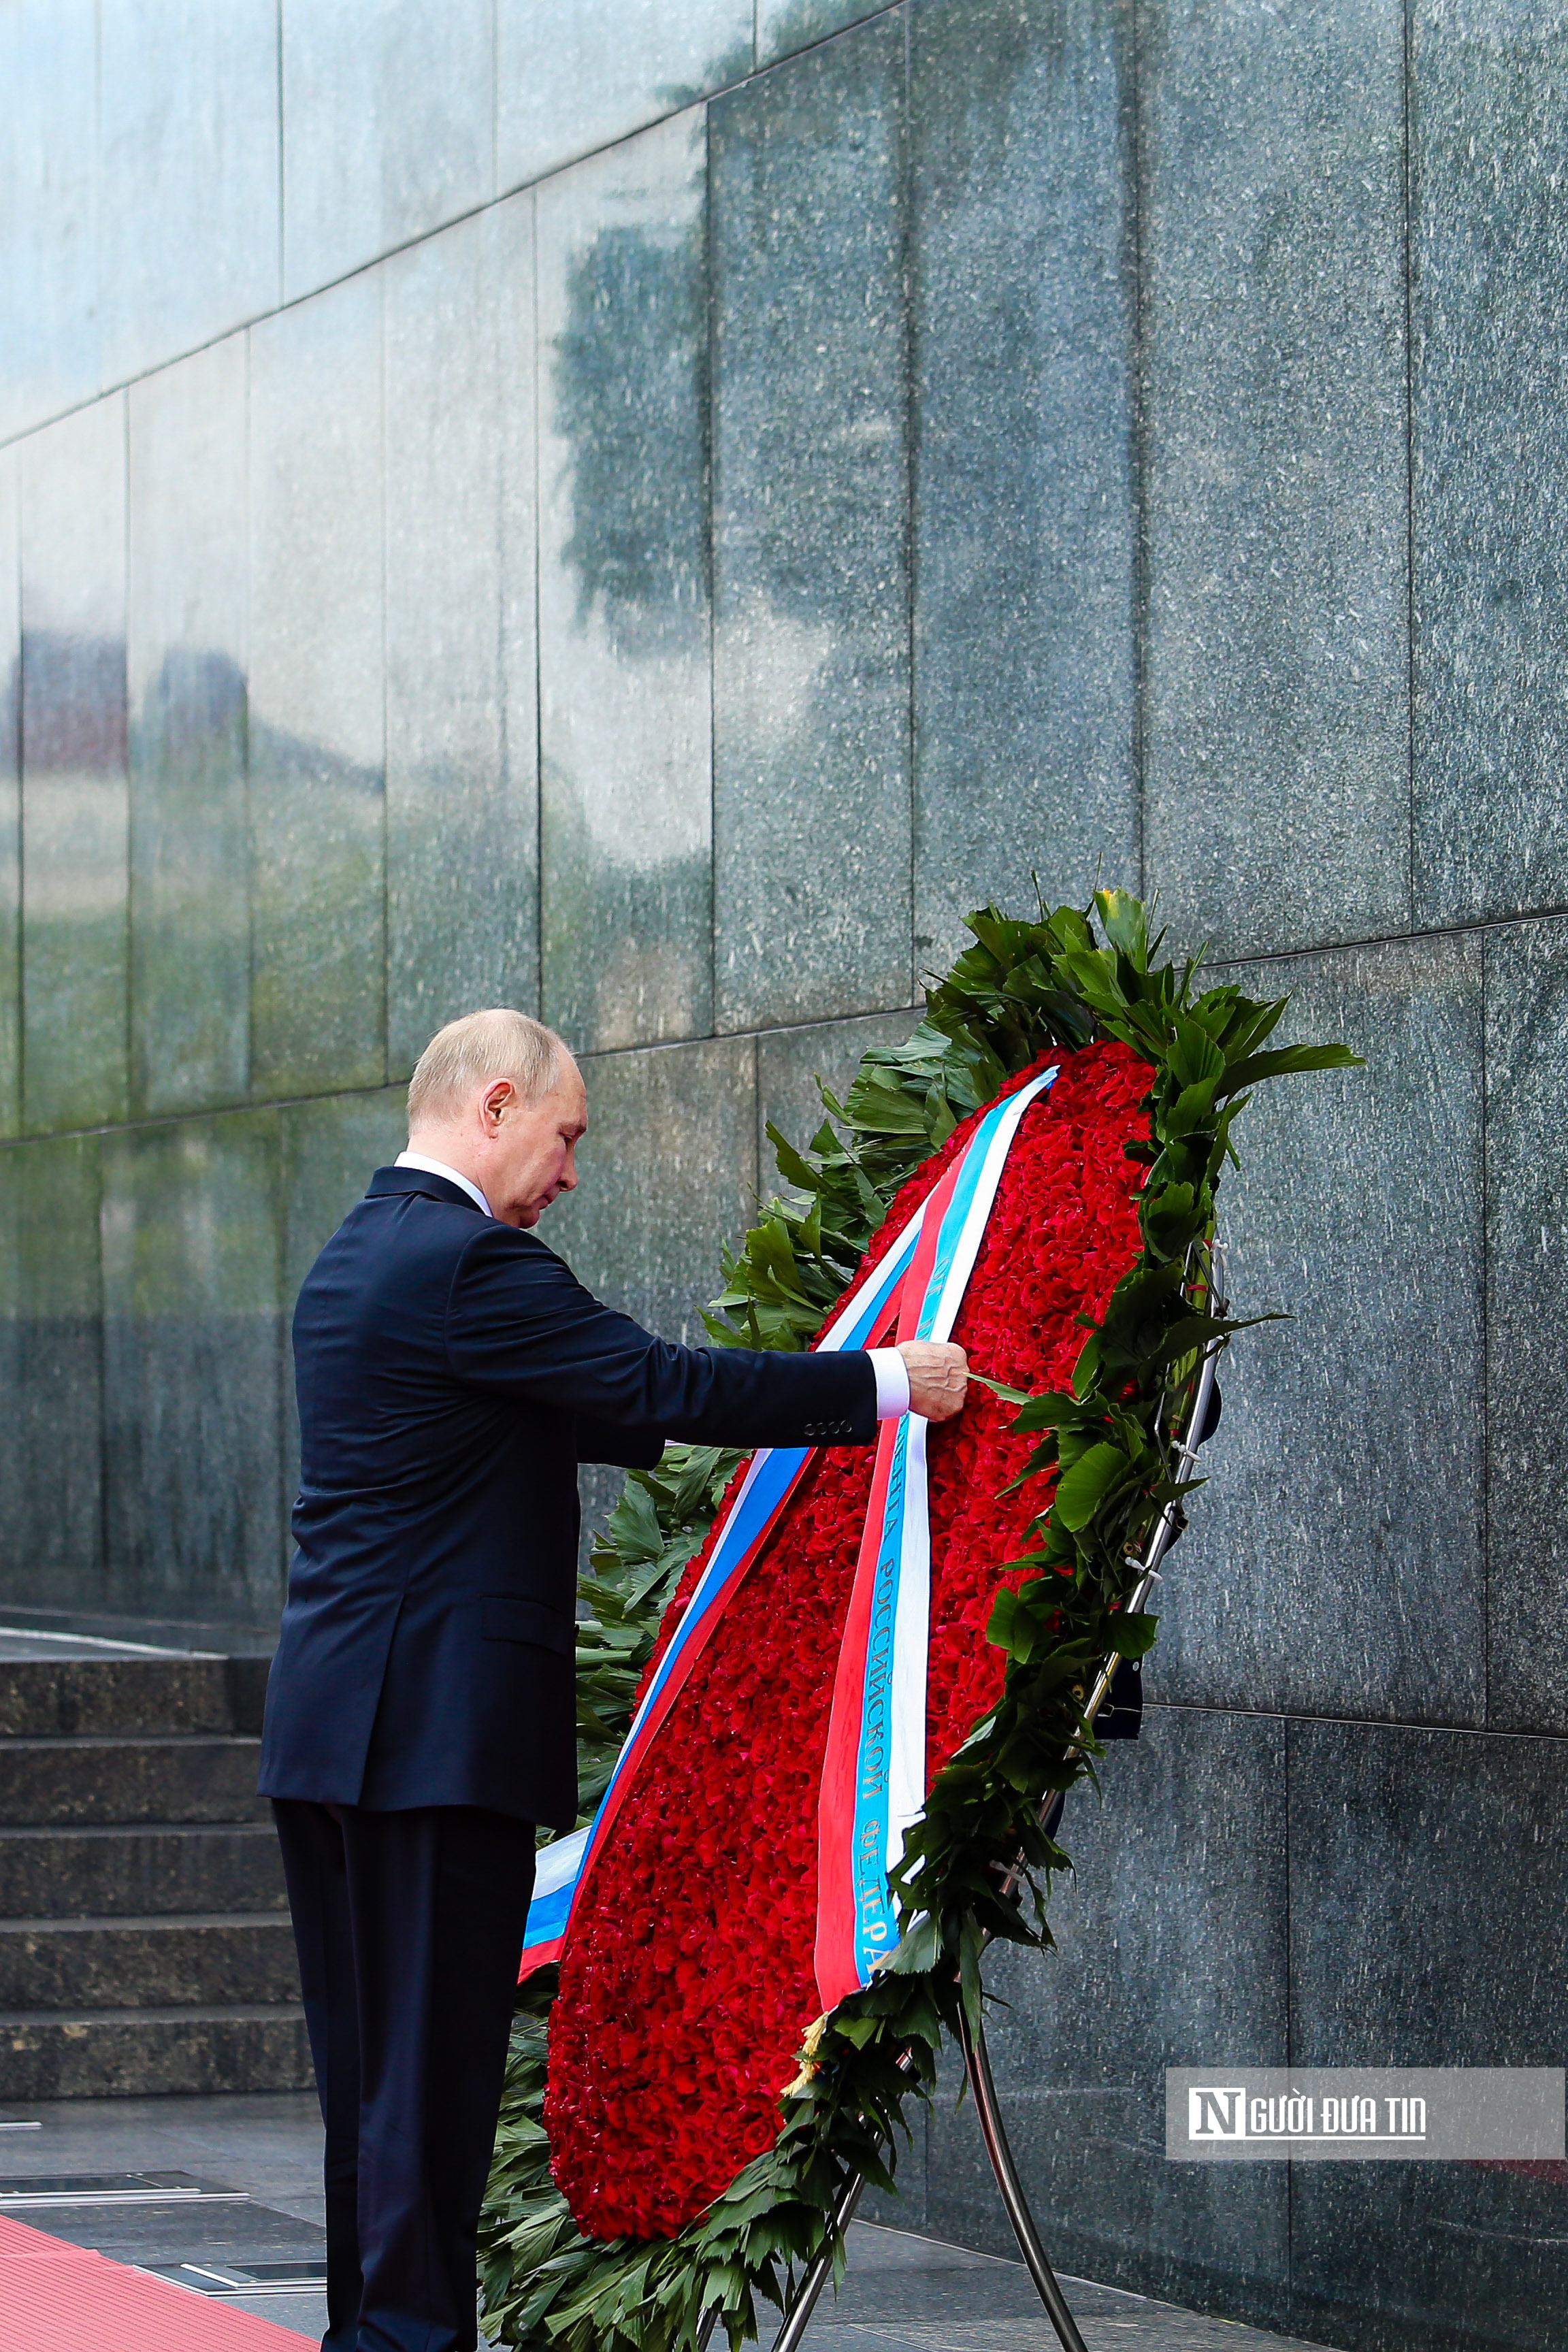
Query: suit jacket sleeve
{"x": 626, "y": 1449}
{"x": 518, "y": 1320}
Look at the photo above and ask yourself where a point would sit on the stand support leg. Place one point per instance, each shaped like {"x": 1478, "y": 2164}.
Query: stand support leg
{"x": 995, "y": 2137}
{"x": 798, "y": 2317}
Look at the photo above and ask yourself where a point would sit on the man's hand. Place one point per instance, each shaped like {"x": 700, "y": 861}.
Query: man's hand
{"x": 939, "y": 1377}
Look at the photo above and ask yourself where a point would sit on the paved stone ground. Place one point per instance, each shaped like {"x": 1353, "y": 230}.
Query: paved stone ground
{"x": 902, "y": 2294}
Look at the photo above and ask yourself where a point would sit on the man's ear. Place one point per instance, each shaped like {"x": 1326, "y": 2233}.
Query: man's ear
{"x": 495, "y": 1102}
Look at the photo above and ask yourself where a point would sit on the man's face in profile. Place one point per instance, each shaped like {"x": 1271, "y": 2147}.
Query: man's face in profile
{"x": 533, "y": 1147}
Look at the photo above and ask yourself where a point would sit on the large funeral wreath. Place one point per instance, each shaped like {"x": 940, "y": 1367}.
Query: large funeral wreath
{"x": 723, "y": 2183}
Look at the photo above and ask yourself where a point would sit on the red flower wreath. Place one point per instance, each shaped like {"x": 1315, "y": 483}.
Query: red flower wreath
{"x": 687, "y": 1981}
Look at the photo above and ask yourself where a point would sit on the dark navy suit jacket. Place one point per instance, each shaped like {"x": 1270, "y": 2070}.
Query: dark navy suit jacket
{"x": 452, "y": 1372}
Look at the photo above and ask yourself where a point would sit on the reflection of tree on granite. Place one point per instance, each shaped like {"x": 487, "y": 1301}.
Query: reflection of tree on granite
{"x": 629, "y": 870}
{"x": 1024, "y": 522}
{"x": 795, "y": 27}
{"x": 811, "y": 580}
{"x": 630, "y": 394}
{"x": 732, "y": 65}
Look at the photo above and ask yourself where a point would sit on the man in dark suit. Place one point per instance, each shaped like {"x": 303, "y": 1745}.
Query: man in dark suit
{"x": 451, "y": 1374}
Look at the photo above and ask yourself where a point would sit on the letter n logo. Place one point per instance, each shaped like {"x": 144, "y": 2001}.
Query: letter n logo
{"x": 1216, "y": 2112}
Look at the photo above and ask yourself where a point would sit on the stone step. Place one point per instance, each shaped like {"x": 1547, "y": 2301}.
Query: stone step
{"x": 45, "y": 1698}
{"x": 99, "y": 1964}
{"x": 147, "y": 2053}
{"x": 144, "y": 1939}
{"x": 76, "y": 1873}
{"x": 104, "y": 1778}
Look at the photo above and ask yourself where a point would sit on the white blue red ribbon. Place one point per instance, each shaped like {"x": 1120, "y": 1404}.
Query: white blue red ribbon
{"x": 873, "y": 1775}
{"x": 770, "y": 1479}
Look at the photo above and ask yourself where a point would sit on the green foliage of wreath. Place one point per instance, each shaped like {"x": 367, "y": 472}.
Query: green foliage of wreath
{"x": 1024, "y": 985}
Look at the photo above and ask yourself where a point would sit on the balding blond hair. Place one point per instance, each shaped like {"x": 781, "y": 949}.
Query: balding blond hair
{"x": 476, "y": 1051}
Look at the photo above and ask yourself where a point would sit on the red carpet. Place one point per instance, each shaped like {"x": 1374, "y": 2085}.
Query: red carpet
{"x": 60, "y": 2298}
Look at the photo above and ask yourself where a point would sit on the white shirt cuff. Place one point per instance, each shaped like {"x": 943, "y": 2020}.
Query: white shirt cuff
{"x": 892, "y": 1382}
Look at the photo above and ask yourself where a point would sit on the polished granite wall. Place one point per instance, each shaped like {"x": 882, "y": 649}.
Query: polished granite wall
{"x": 648, "y": 508}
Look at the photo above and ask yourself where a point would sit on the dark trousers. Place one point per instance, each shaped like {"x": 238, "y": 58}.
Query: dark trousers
{"x": 409, "y": 1928}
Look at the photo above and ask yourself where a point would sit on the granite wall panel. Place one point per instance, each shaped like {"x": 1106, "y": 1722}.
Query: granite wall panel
{"x": 462, "y": 815}
{"x": 1335, "y": 1559}
{"x": 10, "y": 803}
{"x": 784, "y": 26}
{"x": 790, "y": 1062}
{"x": 185, "y": 658}
{"x": 1489, "y": 145}
{"x": 51, "y": 1394}
{"x": 1025, "y": 527}
{"x": 811, "y": 814}
{"x": 625, "y": 692}
{"x": 193, "y": 1366}
{"x": 1276, "y": 726}
{"x": 331, "y": 1150}
{"x": 573, "y": 76}
{"x": 667, "y": 1172}
{"x": 1427, "y": 1878}
{"x": 1527, "y": 1262}
{"x": 48, "y": 224}
{"x": 1174, "y": 1951}
{"x": 188, "y": 174}
{"x": 74, "y": 789}
{"x": 388, "y": 128}
{"x": 317, "y": 714}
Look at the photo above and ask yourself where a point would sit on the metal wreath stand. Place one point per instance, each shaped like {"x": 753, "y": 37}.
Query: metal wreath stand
{"x": 976, "y": 2059}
